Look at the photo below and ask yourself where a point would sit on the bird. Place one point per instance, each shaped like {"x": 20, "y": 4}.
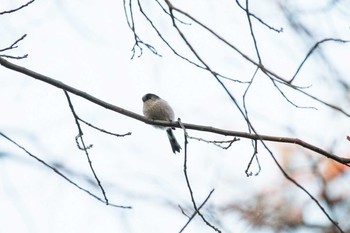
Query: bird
{"x": 155, "y": 108}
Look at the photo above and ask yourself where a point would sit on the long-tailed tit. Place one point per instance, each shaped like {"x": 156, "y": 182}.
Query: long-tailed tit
{"x": 156, "y": 108}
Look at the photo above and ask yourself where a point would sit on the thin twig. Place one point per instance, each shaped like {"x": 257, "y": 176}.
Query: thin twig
{"x": 215, "y": 142}
{"x": 252, "y": 32}
{"x": 262, "y": 67}
{"x": 335, "y": 223}
{"x": 17, "y": 9}
{"x": 255, "y": 155}
{"x": 188, "y": 181}
{"x": 84, "y": 147}
{"x": 61, "y": 174}
{"x": 274, "y": 82}
{"x": 257, "y": 18}
{"x": 166, "y": 12}
{"x": 195, "y": 212}
{"x": 13, "y": 46}
{"x": 312, "y": 50}
{"x": 172, "y": 49}
{"x": 103, "y": 130}
{"x": 245, "y": 108}
{"x": 14, "y": 57}
{"x": 138, "y": 42}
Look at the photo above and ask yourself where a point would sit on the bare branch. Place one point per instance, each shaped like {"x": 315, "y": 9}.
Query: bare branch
{"x": 335, "y": 223}
{"x": 245, "y": 95}
{"x": 84, "y": 147}
{"x": 216, "y": 143}
{"x": 194, "y": 214}
{"x": 172, "y": 49}
{"x": 13, "y": 46}
{"x": 312, "y": 50}
{"x": 259, "y": 65}
{"x": 103, "y": 130}
{"x": 246, "y": 57}
{"x": 257, "y": 18}
{"x": 255, "y": 155}
{"x": 139, "y": 117}
{"x": 252, "y": 32}
{"x": 259, "y": 59}
{"x": 61, "y": 174}
{"x": 188, "y": 181}
{"x": 171, "y": 8}
{"x": 14, "y": 57}
{"x": 138, "y": 41}
{"x": 17, "y": 9}
{"x": 275, "y": 82}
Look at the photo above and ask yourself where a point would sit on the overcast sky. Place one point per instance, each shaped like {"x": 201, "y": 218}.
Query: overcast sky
{"x": 87, "y": 45}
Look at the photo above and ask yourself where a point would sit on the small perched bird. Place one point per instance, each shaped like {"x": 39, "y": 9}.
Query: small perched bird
{"x": 155, "y": 108}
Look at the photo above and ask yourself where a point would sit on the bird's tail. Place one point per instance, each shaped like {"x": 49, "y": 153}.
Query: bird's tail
{"x": 173, "y": 142}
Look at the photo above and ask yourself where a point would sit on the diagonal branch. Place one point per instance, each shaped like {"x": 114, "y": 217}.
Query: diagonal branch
{"x": 188, "y": 182}
{"x": 312, "y": 50}
{"x": 84, "y": 147}
{"x": 190, "y": 218}
{"x": 17, "y": 9}
{"x": 257, "y": 64}
{"x": 138, "y": 117}
{"x": 258, "y": 19}
{"x": 60, "y": 173}
{"x": 14, "y": 46}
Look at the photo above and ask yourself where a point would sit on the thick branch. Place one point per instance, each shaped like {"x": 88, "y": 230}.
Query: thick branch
{"x": 136, "y": 116}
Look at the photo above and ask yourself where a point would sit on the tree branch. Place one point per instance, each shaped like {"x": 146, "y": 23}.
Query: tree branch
{"x": 84, "y": 147}
{"x": 250, "y": 60}
{"x": 14, "y": 46}
{"x": 190, "y": 218}
{"x": 136, "y": 116}
{"x": 17, "y": 9}
{"x": 189, "y": 185}
{"x": 61, "y": 174}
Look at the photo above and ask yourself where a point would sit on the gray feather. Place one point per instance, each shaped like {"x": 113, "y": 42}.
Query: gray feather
{"x": 173, "y": 142}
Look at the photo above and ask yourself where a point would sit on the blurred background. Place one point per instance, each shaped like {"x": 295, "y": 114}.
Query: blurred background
{"x": 88, "y": 45}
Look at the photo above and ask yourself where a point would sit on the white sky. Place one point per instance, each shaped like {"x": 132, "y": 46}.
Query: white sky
{"x": 87, "y": 45}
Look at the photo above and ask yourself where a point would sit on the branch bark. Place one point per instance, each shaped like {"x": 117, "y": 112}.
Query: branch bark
{"x": 139, "y": 117}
